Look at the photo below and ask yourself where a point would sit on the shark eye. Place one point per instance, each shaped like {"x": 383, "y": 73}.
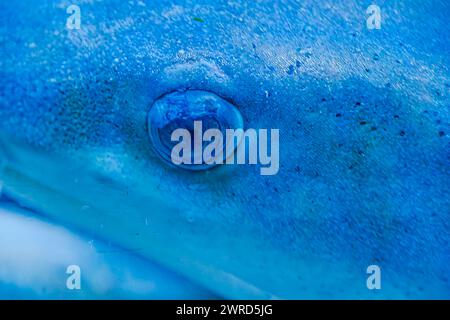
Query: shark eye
{"x": 188, "y": 128}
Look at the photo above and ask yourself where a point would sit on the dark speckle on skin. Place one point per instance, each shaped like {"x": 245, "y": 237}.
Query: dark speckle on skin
{"x": 402, "y": 133}
{"x": 290, "y": 70}
{"x": 441, "y": 133}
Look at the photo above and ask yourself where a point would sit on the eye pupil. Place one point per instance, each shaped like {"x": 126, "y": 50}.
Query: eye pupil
{"x": 180, "y": 110}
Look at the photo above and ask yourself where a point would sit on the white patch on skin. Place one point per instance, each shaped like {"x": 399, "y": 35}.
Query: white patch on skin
{"x": 35, "y": 254}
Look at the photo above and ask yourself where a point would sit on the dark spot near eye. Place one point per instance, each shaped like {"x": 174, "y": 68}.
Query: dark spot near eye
{"x": 338, "y": 115}
{"x": 402, "y": 133}
{"x": 396, "y": 116}
{"x": 323, "y": 100}
{"x": 441, "y": 133}
{"x": 290, "y": 70}
{"x": 367, "y": 70}
{"x": 363, "y": 122}
{"x": 376, "y": 57}
{"x": 104, "y": 180}
{"x": 357, "y": 103}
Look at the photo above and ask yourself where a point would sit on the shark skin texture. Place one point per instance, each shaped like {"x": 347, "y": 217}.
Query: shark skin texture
{"x": 364, "y": 139}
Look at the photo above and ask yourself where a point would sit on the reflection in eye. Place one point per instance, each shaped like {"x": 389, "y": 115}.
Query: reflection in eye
{"x": 194, "y": 112}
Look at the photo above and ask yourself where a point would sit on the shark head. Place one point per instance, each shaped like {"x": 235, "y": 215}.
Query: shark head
{"x": 363, "y": 120}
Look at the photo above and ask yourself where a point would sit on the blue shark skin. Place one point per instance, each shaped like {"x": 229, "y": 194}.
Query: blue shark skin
{"x": 364, "y": 138}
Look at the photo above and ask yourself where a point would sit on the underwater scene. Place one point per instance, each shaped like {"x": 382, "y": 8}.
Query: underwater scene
{"x": 224, "y": 149}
